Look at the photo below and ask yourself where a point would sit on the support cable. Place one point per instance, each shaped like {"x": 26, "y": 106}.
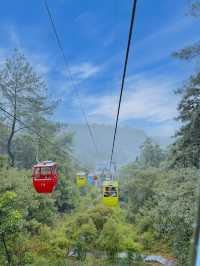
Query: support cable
{"x": 59, "y": 43}
{"x": 123, "y": 76}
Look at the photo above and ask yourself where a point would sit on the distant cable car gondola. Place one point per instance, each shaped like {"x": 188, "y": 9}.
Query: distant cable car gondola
{"x": 110, "y": 193}
{"x": 81, "y": 179}
{"x": 45, "y": 176}
{"x": 92, "y": 179}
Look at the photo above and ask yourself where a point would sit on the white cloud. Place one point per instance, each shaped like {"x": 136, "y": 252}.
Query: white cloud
{"x": 83, "y": 71}
{"x": 41, "y": 63}
{"x": 150, "y": 100}
{"x": 12, "y": 35}
{"x": 82, "y": 17}
{"x": 161, "y": 43}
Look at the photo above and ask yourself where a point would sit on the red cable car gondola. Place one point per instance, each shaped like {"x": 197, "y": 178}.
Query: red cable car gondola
{"x": 45, "y": 176}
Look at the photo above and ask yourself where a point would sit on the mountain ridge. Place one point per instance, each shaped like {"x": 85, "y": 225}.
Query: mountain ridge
{"x": 128, "y": 142}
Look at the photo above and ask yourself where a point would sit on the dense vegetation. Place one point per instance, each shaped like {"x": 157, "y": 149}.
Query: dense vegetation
{"x": 158, "y": 191}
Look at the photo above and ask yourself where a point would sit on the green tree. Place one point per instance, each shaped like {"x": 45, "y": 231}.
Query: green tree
{"x": 24, "y": 148}
{"x": 85, "y": 239}
{"x": 4, "y": 136}
{"x": 23, "y": 95}
{"x": 192, "y": 51}
{"x": 151, "y": 154}
{"x": 117, "y": 237}
{"x": 139, "y": 189}
{"x": 66, "y": 195}
{"x": 186, "y": 149}
{"x": 10, "y": 221}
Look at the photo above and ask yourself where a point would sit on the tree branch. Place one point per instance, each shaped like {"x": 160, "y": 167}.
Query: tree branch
{"x": 8, "y": 257}
{"x": 19, "y": 129}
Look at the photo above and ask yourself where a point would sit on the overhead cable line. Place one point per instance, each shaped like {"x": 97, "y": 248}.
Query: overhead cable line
{"x": 33, "y": 130}
{"x": 123, "y": 76}
{"x": 59, "y": 43}
{"x": 20, "y": 121}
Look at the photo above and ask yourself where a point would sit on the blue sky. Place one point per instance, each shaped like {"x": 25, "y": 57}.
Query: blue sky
{"x": 94, "y": 37}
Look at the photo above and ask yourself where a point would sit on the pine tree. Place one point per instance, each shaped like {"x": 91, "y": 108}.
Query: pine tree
{"x": 23, "y": 94}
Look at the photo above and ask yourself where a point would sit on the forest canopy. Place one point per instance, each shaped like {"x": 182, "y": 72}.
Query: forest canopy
{"x": 158, "y": 190}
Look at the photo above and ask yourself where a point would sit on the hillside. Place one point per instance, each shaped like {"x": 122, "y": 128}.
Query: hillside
{"x": 127, "y": 143}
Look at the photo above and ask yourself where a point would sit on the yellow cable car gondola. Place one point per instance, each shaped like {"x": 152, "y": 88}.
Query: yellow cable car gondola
{"x": 110, "y": 193}
{"x": 81, "y": 179}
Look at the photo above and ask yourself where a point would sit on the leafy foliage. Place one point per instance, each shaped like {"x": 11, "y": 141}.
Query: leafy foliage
{"x": 151, "y": 155}
{"x": 23, "y": 94}
{"x": 69, "y": 227}
{"x": 162, "y": 204}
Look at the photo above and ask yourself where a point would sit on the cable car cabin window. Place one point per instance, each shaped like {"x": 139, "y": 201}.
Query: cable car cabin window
{"x": 110, "y": 192}
{"x": 54, "y": 170}
{"x": 37, "y": 173}
{"x": 44, "y": 172}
